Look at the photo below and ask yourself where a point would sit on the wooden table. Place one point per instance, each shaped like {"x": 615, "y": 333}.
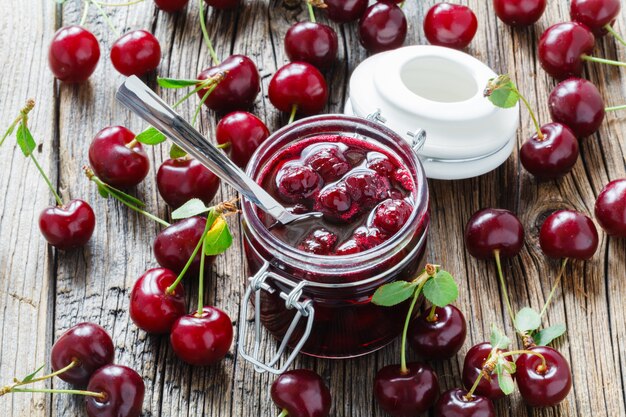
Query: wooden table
{"x": 43, "y": 292}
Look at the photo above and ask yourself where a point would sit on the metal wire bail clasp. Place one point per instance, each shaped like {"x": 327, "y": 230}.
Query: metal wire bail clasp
{"x": 303, "y": 308}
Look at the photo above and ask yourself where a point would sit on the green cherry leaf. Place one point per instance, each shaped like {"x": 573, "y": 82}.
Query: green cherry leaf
{"x": 30, "y": 377}
{"x": 527, "y": 320}
{"x": 151, "y": 136}
{"x": 218, "y": 239}
{"x": 546, "y": 336}
{"x": 25, "y": 140}
{"x": 394, "y": 293}
{"x": 505, "y": 379}
{"x": 176, "y": 83}
{"x": 502, "y": 92}
{"x": 176, "y": 152}
{"x": 191, "y": 208}
{"x": 498, "y": 339}
{"x": 441, "y": 289}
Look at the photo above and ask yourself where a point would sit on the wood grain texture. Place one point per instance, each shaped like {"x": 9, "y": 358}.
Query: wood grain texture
{"x": 44, "y": 292}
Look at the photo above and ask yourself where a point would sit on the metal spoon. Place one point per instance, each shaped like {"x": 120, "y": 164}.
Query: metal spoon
{"x": 142, "y": 101}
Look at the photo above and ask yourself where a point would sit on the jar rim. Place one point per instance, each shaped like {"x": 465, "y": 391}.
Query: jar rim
{"x": 344, "y": 125}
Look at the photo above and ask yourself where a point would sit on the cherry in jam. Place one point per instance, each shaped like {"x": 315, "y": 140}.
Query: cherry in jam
{"x": 362, "y": 190}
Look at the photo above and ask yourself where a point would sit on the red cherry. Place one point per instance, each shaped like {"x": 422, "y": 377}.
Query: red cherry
{"x": 491, "y": 230}
{"x": 611, "y": 208}
{"x": 202, "y": 340}
{"x": 552, "y": 156}
{"x": 244, "y": 132}
{"x": 238, "y": 89}
{"x": 174, "y": 245}
{"x": 383, "y": 27}
{"x": 519, "y": 12}
{"x": 328, "y": 161}
{"x": 343, "y": 11}
{"x": 367, "y": 188}
{"x": 336, "y": 204}
{"x": 543, "y": 387}
{"x": 454, "y": 403}
{"x": 561, "y": 48}
{"x": 69, "y": 226}
{"x": 302, "y": 393}
{"x": 472, "y": 367}
{"x": 320, "y": 242}
{"x": 88, "y": 344}
{"x": 368, "y": 237}
{"x": 391, "y": 215}
{"x": 124, "y": 391}
{"x": 595, "y": 14}
{"x": 577, "y": 103}
{"x": 223, "y": 4}
{"x": 136, "y": 53}
{"x": 180, "y": 180}
{"x": 406, "y": 394}
{"x": 314, "y": 43}
{"x": 450, "y": 25}
{"x": 440, "y": 338}
{"x": 171, "y": 6}
{"x": 297, "y": 182}
{"x": 152, "y": 309}
{"x": 73, "y": 54}
{"x": 568, "y": 234}
{"x": 116, "y": 162}
{"x": 298, "y": 84}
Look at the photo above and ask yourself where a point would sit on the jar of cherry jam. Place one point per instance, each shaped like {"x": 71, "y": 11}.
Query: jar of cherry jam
{"x": 312, "y": 281}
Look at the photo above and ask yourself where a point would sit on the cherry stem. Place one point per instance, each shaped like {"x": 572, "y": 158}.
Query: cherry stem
{"x": 47, "y": 180}
{"x": 311, "y": 11}
{"x": 616, "y": 35}
{"x": 10, "y": 388}
{"x": 83, "y": 18}
{"x": 422, "y": 279}
{"x": 554, "y": 287}
{"x": 132, "y": 144}
{"x": 544, "y": 364}
{"x": 202, "y": 259}
{"x": 292, "y": 116}
{"x": 205, "y": 34}
{"x": 603, "y": 60}
{"x": 204, "y": 98}
{"x": 283, "y": 413}
{"x": 615, "y": 108}
{"x": 100, "y": 395}
{"x": 224, "y": 146}
{"x": 106, "y": 17}
{"x": 470, "y": 393}
{"x": 505, "y": 292}
{"x": 130, "y": 3}
{"x": 432, "y": 317}
{"x": 30, "y": 104}
{"x": 540, "y": 134}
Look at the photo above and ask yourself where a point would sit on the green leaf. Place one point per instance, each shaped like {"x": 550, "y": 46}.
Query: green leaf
{"x": 25, "y": 140}
{"x": 394, "y": 293}
{"x": 191, "y": 208}
{"x": 505, "y": 379}
{"x": 218, "y": 238}
{"x": 498, "y": 339}
{"x": 502, "y": 92}
{"x": 176, "y": 83}
{"x": 527, "y": 320}
{"x": 151, "y": 136}
{"x": 122, "y": 196}
{"x": 176, "y": 152}
{"x": 30, "y": 377}
{"x": 547, "y": 335}
{"x": 441, "y": 289}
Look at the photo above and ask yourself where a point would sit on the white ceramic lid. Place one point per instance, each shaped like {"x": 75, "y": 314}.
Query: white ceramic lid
{"x": 439, "y": 90}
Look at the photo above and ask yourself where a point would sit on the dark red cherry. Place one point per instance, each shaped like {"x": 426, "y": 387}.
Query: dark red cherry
{"x": 136, "y": 53}
{"x": 391, "y": 215}
{"x": 367, "y": 188}
{"x": 561, "y": 48}
{"x": 243, "y": 132}
{"x": 174, "y": 245}
{"x": 577, "y": 104}
{"x": 439, "y": 338}
{"x": 472, "y": 366}
{"x": 117, "y": 158}
{"x": 343, "y": 11}
{"x": 152, "y": 308}
{"x": 368, "y": 237}
{"x": 223, "y": 4}
{"x": 238, "y": 89}
{"x": 595, "y": 14}
{"x": 568, "y": 234}
{"x": 519, "y": 12}
{"x": 490, "y": 230}
{"x": 124, "y": 391}
{"x": 314, "y": 43}
{"x": 382, "y": 27}
{"x": 454, "y": 403}
{"x": 539, "y": 386}
{"x": 611, "y": 208}
{"x": 335, "y": 202}
{"x": 302, "y": 393}
{"x": 298, "y": 84}
{"x": 320, "y": 242}
{"x": 406, "y": 394}
{"x": 73, "y": 54}
{"x": 180, "y": 180}
{"x": 552, "y": 156}
{"x": 450, "y": 25}
{"x": 88, "y": 344}
{"x": 68, "y": 227}
{"x": 296, "y": 183}
{"x": 202, "y": 339}
{"x": 171, "y": 6}
{"x": 328, "y": 161}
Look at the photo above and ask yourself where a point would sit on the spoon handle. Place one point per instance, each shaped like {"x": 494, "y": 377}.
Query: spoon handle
{"x": 145, "y": 103}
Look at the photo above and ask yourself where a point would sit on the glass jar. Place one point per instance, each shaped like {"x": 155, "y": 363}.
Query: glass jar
{"x": 321, "y": 304}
